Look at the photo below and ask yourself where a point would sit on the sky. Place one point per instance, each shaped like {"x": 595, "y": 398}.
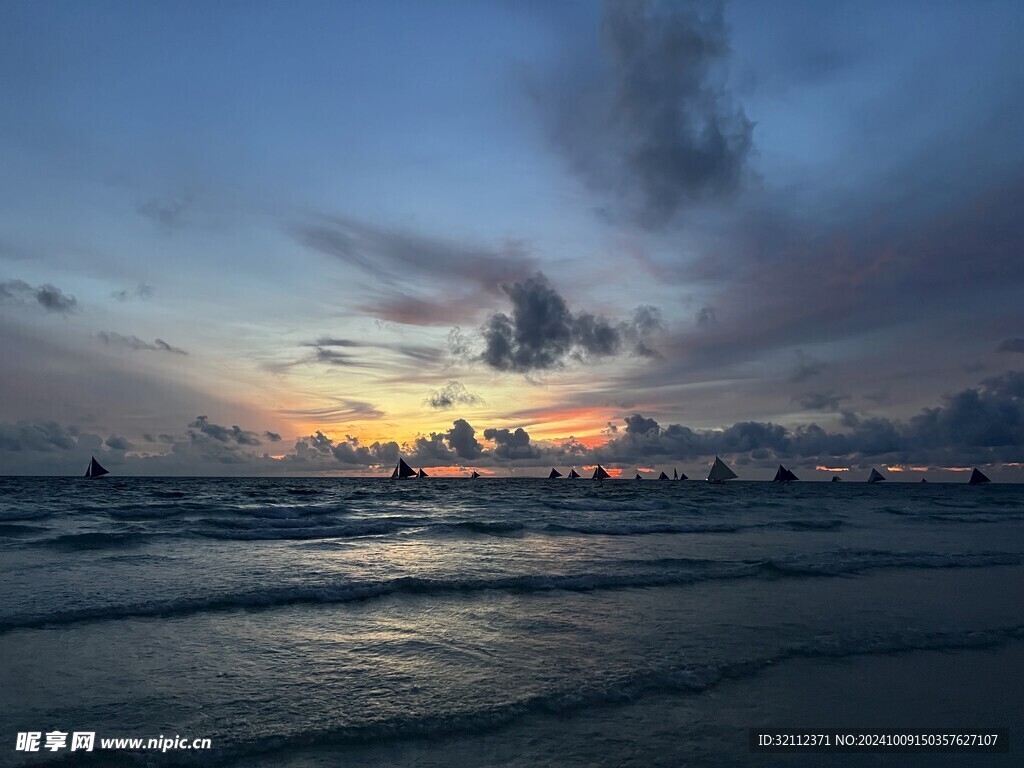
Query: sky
{"x": 304, "y": 238}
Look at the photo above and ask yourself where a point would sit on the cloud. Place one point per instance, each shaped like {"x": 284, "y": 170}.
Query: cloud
{"x": 344, "y": 410}
{"x": 225, "y": 434}
{"x": 511, "y": 445}
{"x": 981, "y": 425}
{"x": 459, "y": 442}
{"x": 416, "y": 279}
{"x": 344, "y": 353}
{"x": 47, "y": 296}
{"x": 451, "y": 394}
{"x": 650, "y": 125}
{"x": 820, "y": 401}
{"x": 543, "y": 333}
{"x": 432, "y": 449}
{"x": 1011, "y": 345}
{"x": 319, "y": 452}
{"x": 462, "y": 438}
{"x": 112, "y": 339}
{"x": 118, "y": 443}
{"x": 706, "y": 317}
{"x": 329, "y": 341}
{"x": 334, "y": 357}
{"x": 167, "y": 212}
{"x": 41, "y": 437}
{"x": 142, "y": 291}
{"x": 272, "y": 436}
{"x": 806, "y": 368}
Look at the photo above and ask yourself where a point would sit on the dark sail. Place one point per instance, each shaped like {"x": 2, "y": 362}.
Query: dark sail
{"x": 402, "y": 471}
{"x": 600, "y": 473}
{"x": 924, "y": 480}
{"x": 790, "y": 477}
{"x": 421, "y": 473}
{"x": 720, "y": 472}
{"x": 977, "y": 477}
{"x": 780, "y": 475}
{"x": 573, "y": 473}
{"x": 663, "y": 476}
{"x": 475, "y": 474}
{"x": 835, "y": 478}
{"x": 554, "y": 473}
{"x": 675, "y": 475}
{"x": 638, "y": 477}
{"x": 682, "y": 476}
{"x": 95, "y": 470}
{"x": 875, "y": 476}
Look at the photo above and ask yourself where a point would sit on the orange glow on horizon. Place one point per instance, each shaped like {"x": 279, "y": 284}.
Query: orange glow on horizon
{"x": 832, "y": 469}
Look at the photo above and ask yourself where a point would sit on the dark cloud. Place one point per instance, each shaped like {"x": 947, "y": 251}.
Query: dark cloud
{"x": 224, "y": 434}
{"x": 118, "y": 443}
{"x": 272, "y": 436}
{"x": 462, "y": 439}
{"x": 1012, "y": 345}
{"x": 806, "y": 368}
{"x": 47, "y": 296}
{"x": 142, "y": 291}
{"x": 432, "y": 449}
{"x": 511, "y": 445}
{"x": 706, "y": 317}
{"x": 37, "y": 436}
{"x": 982, "y": 425}
{"x": 638, "y": 425}
{"x": 652, "y": 126}
{"x": 820, "y": 401}
{"x": 329, "y": 341}
{"x": 647, "y": 319}
{"x": 113, "y": 339}
{"x": 163, "y": 346}
{"x": 991, "y": 415}
{"x": 334, "y": 357}
{"x": 451, "y": 394}
{"x": 543, "y": 333}
{"x": 321, "y": 452}
{"x": 459, "y": 442}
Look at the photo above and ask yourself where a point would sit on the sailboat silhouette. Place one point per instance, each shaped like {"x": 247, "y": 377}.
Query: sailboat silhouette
{"x": 720, "y": 472}
{"x": 95, "y": 470}
{"x": 402, "y": 471}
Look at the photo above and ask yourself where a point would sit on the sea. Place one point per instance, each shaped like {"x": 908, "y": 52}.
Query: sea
{"x": 504, "y": 622}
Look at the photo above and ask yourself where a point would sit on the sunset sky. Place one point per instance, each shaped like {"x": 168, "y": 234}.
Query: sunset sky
{"x": 268, "y": 237}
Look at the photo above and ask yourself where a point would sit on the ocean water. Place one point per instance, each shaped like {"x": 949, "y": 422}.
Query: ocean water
{"x": 505, "y": 622}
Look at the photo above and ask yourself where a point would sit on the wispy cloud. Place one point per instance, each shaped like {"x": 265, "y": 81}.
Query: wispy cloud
{"x": 416, "y": 279}
{"x": 49, "y": 297}
{"x": 113, "y": 339}
{"x": 141, "y": 291}
{"x": 341, "y": 411}
{"x": 450, "y": 395}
